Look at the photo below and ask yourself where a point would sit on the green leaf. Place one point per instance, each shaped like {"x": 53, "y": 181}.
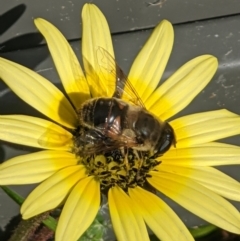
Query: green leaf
{"x": 198, "y": 232}
{"x": 51, "y": 223}
{"x": 13, "y": 195}
{"x": 202, "y": 231}
{"x": 96, "y": 231}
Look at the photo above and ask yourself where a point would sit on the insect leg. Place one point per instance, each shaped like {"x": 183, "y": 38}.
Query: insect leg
{"x": 139, "y": 156}
{"x": 124, "y": 151}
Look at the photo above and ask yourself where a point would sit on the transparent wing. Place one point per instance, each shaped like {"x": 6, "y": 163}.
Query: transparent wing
{"x": 55, "y": 137}
{"x": 121, "y": 88}
{"x": 95, "y": 141}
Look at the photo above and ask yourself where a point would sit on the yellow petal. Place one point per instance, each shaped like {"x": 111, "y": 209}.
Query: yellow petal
{"x": 207, "y": 154}
{"x": 205, "y": 127}
{"x": 33, "y": 131}
{"x": 79, "y": 210}
{"x": 209, "y": 177}
{"x": 34, "y": 167}
{"x": 38, "y": 92}
{"x": 148, "y": 67}
{"x": 197, "y": 199}
{"x": 50, "y": 193}
{"x": 127, "y": 222}
{"x": 66, "y": 62}
{"x": 159, "y": 216}
{"x": 96, "y": 39}
{"x": 182, "y": 87}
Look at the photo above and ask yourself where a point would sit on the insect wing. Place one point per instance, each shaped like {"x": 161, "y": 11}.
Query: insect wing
{"x": 99, "y": 78}
{"x": 94, "y": 141}
{"x": 121, "y": 87}
{"x": 107, "y": 70}
{"x": 53, "y": 138}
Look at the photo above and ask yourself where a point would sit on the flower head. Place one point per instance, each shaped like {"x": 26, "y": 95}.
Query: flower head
{"x": 183, "y": 173}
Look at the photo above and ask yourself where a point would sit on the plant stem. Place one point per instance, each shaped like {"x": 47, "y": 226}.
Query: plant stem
{"x": 26, "y": 228}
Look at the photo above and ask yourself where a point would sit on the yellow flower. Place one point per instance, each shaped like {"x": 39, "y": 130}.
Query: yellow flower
{"x": 184, "y": 173}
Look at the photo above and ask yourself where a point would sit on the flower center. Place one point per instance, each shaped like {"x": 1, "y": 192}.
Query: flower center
{"x": 115, "y": 168}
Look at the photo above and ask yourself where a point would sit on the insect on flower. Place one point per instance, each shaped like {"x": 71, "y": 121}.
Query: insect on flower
{"x": 107, "y": 138}
{"x": 109, "y": 124}
{"x": 120, "y": 129}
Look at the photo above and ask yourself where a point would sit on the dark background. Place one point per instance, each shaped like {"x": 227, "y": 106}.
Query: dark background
{"x": 201, "y": 27}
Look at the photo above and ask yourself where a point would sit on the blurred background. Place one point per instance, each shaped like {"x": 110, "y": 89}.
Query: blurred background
{"x": 201, "y": 27}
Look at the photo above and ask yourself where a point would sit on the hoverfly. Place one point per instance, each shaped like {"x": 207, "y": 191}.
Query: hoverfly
{"x": 120, "y": 121}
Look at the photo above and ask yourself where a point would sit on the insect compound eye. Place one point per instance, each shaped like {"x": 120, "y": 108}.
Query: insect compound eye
{"x": 166, "y": 141}
{"x": 165, "y": 145}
